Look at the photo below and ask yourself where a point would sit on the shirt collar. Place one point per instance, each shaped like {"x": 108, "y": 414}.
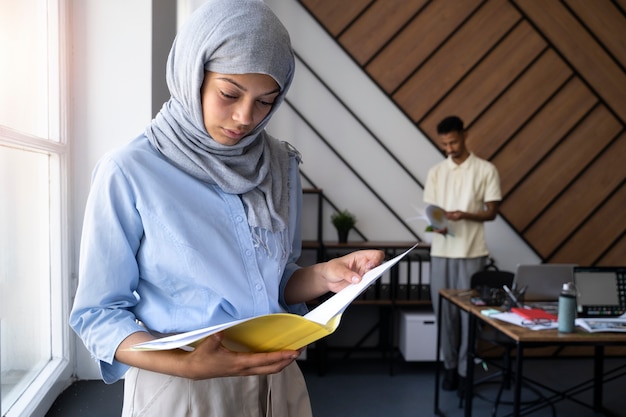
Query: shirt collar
{"x": 466, "y": 163}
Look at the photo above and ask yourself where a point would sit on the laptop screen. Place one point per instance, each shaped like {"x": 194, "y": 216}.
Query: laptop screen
{"x": 543, "y": 282}
{"x": 601, "y": 291}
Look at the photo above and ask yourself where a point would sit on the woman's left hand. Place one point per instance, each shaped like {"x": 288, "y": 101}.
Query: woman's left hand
{"x": 310, "y": 282}
{"x": 349, "y": 269}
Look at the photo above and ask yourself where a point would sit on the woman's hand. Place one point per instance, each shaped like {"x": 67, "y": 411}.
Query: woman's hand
{"x": 208, "y": 360}
{"x": 349, "y": 269}
{"x": 313, "y": 281}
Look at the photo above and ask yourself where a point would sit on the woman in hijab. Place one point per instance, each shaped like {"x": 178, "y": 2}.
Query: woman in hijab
{"x": 196, "y": 222}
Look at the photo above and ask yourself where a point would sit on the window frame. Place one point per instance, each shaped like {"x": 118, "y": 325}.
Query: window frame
{"x": 56, "y": 375}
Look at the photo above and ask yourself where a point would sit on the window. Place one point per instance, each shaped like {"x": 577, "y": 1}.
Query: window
{"x": 34, "y": 264}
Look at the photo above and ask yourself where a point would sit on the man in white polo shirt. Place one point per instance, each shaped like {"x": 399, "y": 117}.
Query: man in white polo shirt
{"x": 468, "y": 189}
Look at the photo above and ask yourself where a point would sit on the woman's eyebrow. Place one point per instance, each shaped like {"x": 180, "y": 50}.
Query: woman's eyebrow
{"x": 241, "y": 87}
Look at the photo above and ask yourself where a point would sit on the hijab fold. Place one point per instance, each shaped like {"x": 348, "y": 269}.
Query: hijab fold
{"x": 229, "y": 37}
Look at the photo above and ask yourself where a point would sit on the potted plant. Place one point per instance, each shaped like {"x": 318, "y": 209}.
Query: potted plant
{"x": 343, "y": 222}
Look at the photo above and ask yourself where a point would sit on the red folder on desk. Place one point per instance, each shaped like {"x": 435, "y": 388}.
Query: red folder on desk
{"x": 533, "y": 314}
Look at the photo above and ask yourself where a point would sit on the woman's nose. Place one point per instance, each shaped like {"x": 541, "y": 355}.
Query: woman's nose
{"x": 243, "y": 113}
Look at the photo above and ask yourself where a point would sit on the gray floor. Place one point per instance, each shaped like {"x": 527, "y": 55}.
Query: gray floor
{"x": 365, "y": 388}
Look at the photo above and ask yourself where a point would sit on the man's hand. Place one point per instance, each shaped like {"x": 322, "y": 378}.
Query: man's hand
{"x": 455, "y": 215}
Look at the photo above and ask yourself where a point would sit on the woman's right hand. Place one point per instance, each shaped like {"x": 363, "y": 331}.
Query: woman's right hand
{"x": 211, "y": 359}
{"x": 208, "y": 360}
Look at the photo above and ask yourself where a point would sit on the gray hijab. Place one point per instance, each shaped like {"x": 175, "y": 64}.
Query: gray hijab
{"x": 229, "y": 37}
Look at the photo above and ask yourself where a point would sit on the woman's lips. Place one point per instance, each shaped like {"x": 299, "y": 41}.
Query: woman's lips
{"x": 234, "y": 134}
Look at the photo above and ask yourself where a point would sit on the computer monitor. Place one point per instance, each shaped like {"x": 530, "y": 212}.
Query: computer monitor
{"x": 601, "y": 291}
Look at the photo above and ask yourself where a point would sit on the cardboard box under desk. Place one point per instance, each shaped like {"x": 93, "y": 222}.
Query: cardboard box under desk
{"x": 418, "y": 336}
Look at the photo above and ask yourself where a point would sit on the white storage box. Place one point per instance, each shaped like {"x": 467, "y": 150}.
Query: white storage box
{"x": 418, "y": 336}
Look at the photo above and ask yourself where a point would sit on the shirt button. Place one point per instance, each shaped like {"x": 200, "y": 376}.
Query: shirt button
{"x": 239, "y": 219}
{"x": 259, "y": 287}
{"x": 248, "y": 252}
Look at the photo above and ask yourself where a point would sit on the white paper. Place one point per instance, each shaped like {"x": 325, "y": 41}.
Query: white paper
{"x": 340, "y": 301}
{"x": 182, "y": 340}
{"x": 437, "y": 217}
{"x": 616, "y": 325}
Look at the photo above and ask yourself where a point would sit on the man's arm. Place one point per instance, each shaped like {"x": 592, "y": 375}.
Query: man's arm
{"x": 486, "y": 215}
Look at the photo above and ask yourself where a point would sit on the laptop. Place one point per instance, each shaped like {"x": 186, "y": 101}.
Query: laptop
{"x": 543, "y": 282}
{"x": 601, "y": 291}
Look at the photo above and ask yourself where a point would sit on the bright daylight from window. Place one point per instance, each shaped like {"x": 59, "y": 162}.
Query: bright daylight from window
{"x": 31, "y": 162}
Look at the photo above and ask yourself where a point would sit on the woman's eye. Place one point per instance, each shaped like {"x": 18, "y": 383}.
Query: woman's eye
{"x": 266, "y": 103}
{"x": 226, "y": 95}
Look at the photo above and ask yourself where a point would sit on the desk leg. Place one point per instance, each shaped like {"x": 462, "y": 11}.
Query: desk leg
{"x": 598, "y": 372}
{"x": 471, "y": 354}
{"x": 517, "y": 397}
{"x": 438, "y": 359}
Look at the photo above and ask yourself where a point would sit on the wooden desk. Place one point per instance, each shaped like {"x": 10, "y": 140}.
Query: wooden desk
{"x": 525, "y": 338}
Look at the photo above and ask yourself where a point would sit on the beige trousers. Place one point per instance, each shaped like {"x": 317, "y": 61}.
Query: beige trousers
{"x": 150, "y": 394}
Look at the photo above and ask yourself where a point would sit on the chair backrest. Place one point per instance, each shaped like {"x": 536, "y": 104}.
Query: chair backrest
{"x": 488, "y": 284}
{"x": 491, "y": 278}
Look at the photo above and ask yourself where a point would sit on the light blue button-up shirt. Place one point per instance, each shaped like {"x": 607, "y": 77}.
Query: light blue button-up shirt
{"x": 168, "y": 250}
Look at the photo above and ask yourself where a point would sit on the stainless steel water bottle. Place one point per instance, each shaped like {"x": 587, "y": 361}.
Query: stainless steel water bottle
{"x": 567, "y": 308}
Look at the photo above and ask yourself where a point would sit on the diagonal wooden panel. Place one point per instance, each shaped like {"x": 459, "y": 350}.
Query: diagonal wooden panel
{"x": 597, "y": 234}
{"x": 606, "y": 22}
{"x": 562, "y": 166}
{"x": 457, "y": 56}
{"x": 615, "y": 255}
{"x": 387, "y": 18}
{"x": 485, "y": 83}
{"x": 335, "y": 15}
{"x": 581, "y": 50}
{"x": 419, "y": 39}
{"x": 542, "y": 133}
{"x": 515, "y": 106}
{"x": 580, "y": 200}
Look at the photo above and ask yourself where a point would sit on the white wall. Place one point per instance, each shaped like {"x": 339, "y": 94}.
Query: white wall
{"x": 111, "y": 96}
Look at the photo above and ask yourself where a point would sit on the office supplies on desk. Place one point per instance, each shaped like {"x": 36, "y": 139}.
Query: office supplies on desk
{"x": 601, "y": 291}
{"x": 530, "y": 324}
{"x": 533, "y": 314}
{"x": 543, "y": 281}
{"x": 613, "y": 325}
{"x": 549, "y": 306}
{"x": 514, "y": 297}
{"x": 490, "y": 312}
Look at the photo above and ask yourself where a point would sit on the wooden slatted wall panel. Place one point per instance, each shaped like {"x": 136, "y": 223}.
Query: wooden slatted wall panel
{"x": 541, "y": 86}
{"x": 388, "y": 17}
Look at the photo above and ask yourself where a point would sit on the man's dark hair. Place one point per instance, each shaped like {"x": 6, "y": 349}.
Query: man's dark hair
{"x": 450, "y": 124}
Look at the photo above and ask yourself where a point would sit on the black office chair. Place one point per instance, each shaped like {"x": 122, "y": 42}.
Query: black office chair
{"x": 488, "y": 284}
